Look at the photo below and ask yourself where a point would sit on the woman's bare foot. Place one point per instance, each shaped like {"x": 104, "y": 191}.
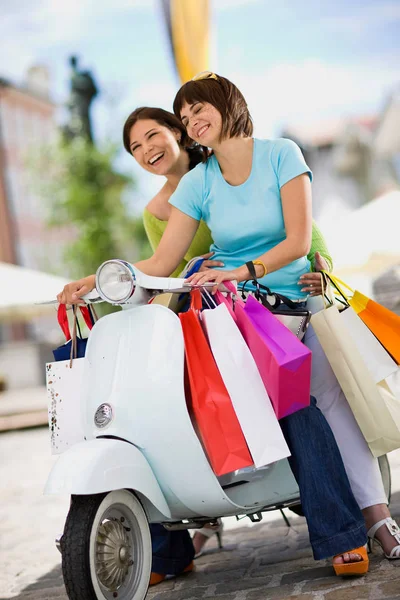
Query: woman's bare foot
{"x": 347, "y": 557}
{"x": 200, "y": 539}
{"x": 352, "y": 563}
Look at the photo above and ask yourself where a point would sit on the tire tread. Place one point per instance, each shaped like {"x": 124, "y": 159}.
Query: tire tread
{"x": 75, "y": 547}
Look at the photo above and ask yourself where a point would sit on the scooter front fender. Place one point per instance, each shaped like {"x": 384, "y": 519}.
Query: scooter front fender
{"x": 103, "y": 465}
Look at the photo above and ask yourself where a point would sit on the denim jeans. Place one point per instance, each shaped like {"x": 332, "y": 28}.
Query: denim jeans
{"x": 172, "y": 550}
{"x": 335, "y": 522}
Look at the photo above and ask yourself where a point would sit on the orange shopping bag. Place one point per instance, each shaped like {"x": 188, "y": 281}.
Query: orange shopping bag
{"x": 212, "y": 408}
{"x": 384, "y": 324}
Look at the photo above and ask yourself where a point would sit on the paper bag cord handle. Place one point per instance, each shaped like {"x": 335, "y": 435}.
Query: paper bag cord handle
{"x": 337, "y": 287}
{"x": 74, "y": 343}
{"x": 340, "y": 282}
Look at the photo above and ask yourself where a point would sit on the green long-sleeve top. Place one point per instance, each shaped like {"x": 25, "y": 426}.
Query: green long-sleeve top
{"x": 202, "y": 241}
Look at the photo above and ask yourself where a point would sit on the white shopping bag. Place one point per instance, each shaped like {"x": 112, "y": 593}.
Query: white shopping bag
{"x": 249, "y": 397}
{"x": 376, "y": 409}
{"x": 377, "y": 360}
{"x": 64, "y": 384}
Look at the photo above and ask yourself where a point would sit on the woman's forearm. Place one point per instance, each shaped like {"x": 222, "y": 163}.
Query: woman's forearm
{"x": 173, "y": 245}
{"x": 281, "y": 255}
{"x": 156, "y": 266}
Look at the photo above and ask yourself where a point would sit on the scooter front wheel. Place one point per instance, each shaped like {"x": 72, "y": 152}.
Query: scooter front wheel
{"x": 106, "y": 548}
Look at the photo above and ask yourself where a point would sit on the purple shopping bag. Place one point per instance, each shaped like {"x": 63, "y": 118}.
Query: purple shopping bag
{"x": 283, "y": 361}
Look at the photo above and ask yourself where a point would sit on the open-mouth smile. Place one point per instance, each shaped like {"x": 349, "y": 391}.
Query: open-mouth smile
{"x": 154, "y": 160}
{"x": 202, "y": 130}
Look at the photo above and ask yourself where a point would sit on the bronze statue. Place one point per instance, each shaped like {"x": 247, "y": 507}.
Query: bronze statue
{"x": 83, "y": 90}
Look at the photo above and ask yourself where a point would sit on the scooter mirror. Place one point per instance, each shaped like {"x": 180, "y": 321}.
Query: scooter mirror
{"x": 115, "y": 281}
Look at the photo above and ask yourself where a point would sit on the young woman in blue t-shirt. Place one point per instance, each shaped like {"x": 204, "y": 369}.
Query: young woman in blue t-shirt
{"x": 255, "y": 195}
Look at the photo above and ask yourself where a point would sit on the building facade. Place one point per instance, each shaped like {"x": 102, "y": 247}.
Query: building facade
{"x": 27, "y": 121}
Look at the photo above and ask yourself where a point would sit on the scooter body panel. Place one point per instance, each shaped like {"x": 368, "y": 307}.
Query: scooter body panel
{"x": 135, "y": 363}
{"x": 103, "y": 465}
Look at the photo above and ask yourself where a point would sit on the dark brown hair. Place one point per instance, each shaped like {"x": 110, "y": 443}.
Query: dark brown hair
{"x": 225, "y": 97}
{"x": 197, "y": 154}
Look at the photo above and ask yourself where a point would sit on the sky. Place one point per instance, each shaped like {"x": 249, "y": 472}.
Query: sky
{"x": 294, "y": 62}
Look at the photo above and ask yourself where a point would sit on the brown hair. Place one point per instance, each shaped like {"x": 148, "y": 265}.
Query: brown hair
{"x": 225, "y": 97}
{"x": 197, "y": 154}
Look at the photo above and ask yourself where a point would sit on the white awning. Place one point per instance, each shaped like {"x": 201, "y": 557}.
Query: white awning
{"x": 22, "y": 290}
{"x": 367, "y": 240}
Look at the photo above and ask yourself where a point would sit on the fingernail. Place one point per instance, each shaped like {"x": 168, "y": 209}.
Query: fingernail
{"x": 303, "y": 289}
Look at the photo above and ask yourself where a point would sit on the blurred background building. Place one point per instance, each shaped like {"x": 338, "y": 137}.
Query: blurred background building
{"x": 27, "y": 120}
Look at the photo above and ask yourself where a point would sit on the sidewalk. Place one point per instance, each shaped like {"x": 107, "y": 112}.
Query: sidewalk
{"x": 20, "y": 408}
{"x": 265, "y": 561}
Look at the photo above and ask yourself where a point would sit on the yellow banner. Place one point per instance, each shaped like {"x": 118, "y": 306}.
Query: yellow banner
{"x": 190, "y": 24}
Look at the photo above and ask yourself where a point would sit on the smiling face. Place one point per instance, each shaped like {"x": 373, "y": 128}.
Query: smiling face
{"x": 203, "y": 123}
{"x": 155, "y": 147}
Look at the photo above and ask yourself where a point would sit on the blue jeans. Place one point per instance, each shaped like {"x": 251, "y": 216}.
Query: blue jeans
{"x": 172, "y": 550}
{"x": 335, "y": 522}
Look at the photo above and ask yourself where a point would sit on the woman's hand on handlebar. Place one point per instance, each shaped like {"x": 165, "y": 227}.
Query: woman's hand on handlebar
{"x": 312, "y": 282}
{"x": 209, "y": 264}
{"x": 73, "y": 292}
{"x": 212, "y": 276}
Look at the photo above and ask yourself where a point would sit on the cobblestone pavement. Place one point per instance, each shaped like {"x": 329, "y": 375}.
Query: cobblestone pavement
{"x": 262, "y": 562}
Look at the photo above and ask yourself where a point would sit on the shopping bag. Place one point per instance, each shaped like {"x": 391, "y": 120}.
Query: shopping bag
{"x": 283, "y": 361}
{"x": 245, "y": 387}
{"x": 383, "y": 323}
{"x": 377, "y": 360}
{"x": 284, "y": 309}
{"x": 211, "y": 404}
{"x": 64, "y": 384}
{"x": 376, "y": 409}
{"x": 64, "y": 352}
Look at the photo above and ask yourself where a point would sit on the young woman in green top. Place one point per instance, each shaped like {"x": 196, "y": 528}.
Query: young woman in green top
{"x": 177, "y": 155}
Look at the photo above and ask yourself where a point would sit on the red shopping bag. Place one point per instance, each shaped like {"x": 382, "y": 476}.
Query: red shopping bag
{"x": 212, "y": 408}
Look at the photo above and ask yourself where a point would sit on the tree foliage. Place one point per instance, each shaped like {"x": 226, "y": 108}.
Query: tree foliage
{"x": 85, "y": 193}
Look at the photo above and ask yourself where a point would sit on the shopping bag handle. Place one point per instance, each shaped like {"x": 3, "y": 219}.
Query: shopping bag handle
{"x": 336, "y": 284}
{"x": 232, "y": 298}
{"x": 196, "y": 302}
{"x": 63, "y": 319}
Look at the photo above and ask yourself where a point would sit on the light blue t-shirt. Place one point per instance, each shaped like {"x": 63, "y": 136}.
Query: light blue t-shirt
{"x": 247, "y": 220}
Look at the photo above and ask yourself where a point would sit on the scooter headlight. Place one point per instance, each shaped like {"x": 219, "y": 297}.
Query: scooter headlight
{"x": 115, "y": 281}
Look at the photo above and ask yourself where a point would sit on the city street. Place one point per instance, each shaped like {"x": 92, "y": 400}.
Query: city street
{"x": 260, "y": 562}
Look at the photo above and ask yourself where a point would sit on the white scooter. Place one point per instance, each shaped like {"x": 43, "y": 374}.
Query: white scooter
{"x": 141, "y": 461}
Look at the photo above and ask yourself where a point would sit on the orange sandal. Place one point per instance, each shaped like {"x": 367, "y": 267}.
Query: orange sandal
{"x": 156, "y": 578}
{"x": 353, "y": 568}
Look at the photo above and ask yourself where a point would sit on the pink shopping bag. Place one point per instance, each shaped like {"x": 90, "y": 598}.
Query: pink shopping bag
{"x": 283, "y": 361}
